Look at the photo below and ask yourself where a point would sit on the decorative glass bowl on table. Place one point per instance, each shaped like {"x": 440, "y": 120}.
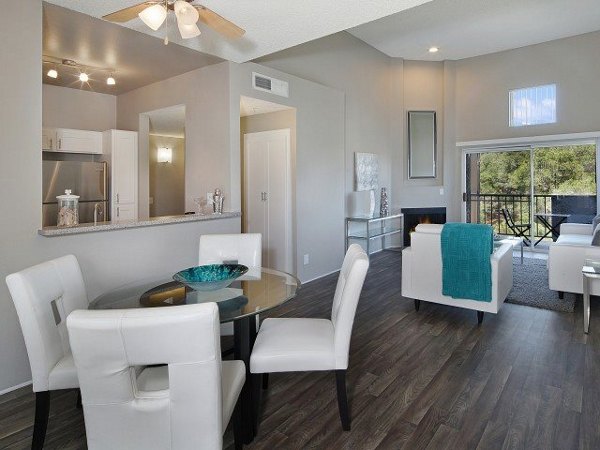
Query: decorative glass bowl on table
{"x": 210, "y": 277}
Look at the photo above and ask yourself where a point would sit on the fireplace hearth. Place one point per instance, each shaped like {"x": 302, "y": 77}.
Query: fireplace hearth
{"x": 415, "y": 216}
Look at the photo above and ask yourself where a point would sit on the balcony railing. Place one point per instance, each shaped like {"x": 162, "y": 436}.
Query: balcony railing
{"x": 486, "y": 208}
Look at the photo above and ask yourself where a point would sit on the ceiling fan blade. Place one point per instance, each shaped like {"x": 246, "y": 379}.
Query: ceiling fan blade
{"x": 218, "y": 23}
{"x": 127, "y": 14}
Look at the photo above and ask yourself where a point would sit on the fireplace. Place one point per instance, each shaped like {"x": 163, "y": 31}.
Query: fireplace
{"x": 415, "y": 216}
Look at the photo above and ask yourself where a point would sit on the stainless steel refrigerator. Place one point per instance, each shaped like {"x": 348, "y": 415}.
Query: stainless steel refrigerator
{"x": 86, "y": 179}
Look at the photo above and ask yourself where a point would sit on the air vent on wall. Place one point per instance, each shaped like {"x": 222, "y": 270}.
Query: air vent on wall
{"x": 268, "y": 84}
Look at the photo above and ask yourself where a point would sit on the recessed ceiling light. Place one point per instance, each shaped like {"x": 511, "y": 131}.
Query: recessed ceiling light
{"x": 433, "y": 49}
{"x": 110, "y": 81}
{"x": 83, "y": 77}
{"x": 52, "y": 73}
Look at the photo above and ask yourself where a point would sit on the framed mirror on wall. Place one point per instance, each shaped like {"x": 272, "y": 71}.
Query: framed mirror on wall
{"x": 422, "y": 143}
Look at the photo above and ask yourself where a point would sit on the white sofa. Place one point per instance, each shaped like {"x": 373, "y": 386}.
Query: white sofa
{"x": 566, "y": 257}
{"x": 422, "y": 272}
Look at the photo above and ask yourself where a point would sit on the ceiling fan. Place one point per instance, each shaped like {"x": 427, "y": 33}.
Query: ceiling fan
{"x": 154, "y": 14}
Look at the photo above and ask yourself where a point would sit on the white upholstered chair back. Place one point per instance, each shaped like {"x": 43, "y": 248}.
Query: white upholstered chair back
{"x": 245, "y": 248}
{"x": 109, "y": 347}
{"x": 44, "y": 295}
{"x": 345, "y": 300}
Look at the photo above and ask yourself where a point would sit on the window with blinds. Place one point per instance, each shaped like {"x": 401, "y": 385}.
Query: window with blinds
{"x": 532, "y": 106}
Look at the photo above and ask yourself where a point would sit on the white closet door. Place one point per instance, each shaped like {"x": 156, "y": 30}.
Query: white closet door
{"x": 268, "y": 194}
{"x": 125, "y": 166}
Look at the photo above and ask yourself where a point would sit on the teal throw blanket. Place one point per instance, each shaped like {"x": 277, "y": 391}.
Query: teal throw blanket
{"x": 467, "y": 271}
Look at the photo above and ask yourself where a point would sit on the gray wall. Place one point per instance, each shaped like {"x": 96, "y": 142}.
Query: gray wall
{"x": 346, "y": 63}
{"x": 167, "y": 180}
{"x": 107, "y": 259}
{"x": 205, "y": 94}
{"x": 482, "y": 86}
{"x": 320, "y": 173}
{"x": 73, "y": 108}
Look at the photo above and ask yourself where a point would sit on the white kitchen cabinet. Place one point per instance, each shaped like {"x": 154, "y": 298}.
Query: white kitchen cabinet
{"x": 71, "y": 141}
{"x": 48, "y": 138}
{"x": 121, "y": 150}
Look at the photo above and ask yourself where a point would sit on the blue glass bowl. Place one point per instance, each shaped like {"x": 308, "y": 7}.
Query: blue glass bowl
{"x": 210, "y": 277}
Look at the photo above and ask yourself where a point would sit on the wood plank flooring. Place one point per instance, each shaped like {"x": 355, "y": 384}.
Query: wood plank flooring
{"x": 527, "y": 378}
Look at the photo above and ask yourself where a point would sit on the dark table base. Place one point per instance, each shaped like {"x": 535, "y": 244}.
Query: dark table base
{"x": 244, "y": 335}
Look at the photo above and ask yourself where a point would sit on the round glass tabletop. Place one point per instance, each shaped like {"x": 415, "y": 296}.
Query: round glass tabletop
{"x": 257, "y": 291}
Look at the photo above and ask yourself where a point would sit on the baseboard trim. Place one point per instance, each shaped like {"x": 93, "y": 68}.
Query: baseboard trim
{"x": 321, "y": 276}
{"x": 14, "y": 388}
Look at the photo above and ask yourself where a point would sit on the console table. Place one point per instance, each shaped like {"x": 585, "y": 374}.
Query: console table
{"x": 374, "y": 228}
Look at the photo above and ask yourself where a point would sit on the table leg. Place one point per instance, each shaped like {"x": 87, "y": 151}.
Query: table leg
{"x": 548, "y": 229}
{"x": 244, "y": 334}
{"x": 586, "y": 304}
{"x": 521, "y": 250}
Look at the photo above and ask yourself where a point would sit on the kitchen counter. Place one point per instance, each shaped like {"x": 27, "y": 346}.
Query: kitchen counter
{"x": 151, "y": 222}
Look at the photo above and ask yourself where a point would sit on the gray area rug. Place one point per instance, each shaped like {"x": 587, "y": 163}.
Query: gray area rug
{"x": 530, "y": 287}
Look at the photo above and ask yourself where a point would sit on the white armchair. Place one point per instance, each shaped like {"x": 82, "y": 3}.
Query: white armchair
{"x": 566, "y": 257}
{"x": 422, "y": 272}
{"x": 44, "y": 295}
{"x": 153, "y": 378}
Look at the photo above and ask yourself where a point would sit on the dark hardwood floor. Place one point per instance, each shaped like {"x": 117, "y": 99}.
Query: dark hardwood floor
{"x": 526, "y": 378}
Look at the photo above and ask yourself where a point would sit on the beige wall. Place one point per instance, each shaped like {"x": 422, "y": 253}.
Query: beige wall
{"x": 107, "y": 259}
{"x": 82, "y": 110}
{"x": 167, "y": 180}
{"x": 205, "y": 94}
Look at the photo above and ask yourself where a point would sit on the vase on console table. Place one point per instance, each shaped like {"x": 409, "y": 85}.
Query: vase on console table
{"x": 383, "y": 204}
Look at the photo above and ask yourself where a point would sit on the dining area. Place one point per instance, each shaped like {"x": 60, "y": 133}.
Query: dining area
{"x": 172, "y": 360}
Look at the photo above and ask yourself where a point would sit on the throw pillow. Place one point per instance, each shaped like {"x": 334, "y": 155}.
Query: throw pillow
{"x": 595, "y": 222}
{"x": 596, "y": 236}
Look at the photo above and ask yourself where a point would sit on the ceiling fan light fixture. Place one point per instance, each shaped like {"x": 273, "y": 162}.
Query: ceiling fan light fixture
{"x": 52, "y": 73}
{"x": 188, "y": 31}
{"x": 186, "y": 13}
{"x": 154, "y": 16}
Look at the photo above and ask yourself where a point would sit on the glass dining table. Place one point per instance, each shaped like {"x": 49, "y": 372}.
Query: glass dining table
{"x": 257, "y": 291}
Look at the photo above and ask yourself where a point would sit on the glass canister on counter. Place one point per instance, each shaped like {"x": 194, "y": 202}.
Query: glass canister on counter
{"x": 68, "y": 209}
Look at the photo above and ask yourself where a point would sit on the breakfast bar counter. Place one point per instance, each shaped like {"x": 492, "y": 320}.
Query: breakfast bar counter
{"x": 151, "y": 222}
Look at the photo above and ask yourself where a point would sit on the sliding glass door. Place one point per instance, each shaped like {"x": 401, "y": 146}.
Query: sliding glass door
{"x": 531, "y": 190}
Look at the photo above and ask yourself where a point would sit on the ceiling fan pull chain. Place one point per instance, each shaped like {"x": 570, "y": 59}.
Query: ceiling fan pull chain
{"x": 167, "y": 24}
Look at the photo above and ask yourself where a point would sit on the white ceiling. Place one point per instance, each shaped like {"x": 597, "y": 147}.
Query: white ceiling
{"x": 270, "y": 26}
{"x": 168, "y": 121}
{"x": 466, "y": 28}
{"x": 251, "y": 106}
{"x": 137, "y": 59}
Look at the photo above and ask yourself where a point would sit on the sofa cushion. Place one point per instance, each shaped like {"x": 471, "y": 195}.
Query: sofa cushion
{"x": 574, "y": 239}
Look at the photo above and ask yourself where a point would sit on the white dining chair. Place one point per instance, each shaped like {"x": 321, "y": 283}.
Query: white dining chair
{"x": 44, "y": 295}
{"x": 153, "y": 378}
{"x": 241, "y": 248}
{"x": 302, "y": 344}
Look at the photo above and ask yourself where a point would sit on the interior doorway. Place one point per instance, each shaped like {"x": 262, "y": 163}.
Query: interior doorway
{"x": 163, "y": 138}
{"x": 268, "y": 159}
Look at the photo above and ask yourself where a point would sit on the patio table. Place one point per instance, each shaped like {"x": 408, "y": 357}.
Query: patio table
{"x": 546, "y": 219}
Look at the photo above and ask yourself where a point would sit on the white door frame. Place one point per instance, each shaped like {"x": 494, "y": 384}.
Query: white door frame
{"x": 286, "y": 132}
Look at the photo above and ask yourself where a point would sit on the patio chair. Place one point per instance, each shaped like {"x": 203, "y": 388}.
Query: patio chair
{"x": 518, "y": 229}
